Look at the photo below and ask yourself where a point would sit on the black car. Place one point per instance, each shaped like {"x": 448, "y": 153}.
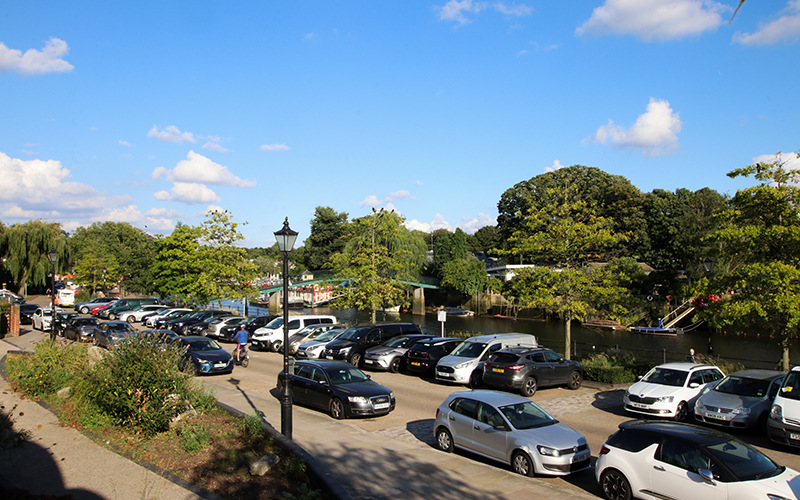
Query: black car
{"x": 204, "y": 355}
{"x": 251, "y": 324}
{"x": 354, "y": 342}
{"x": 108, "y": 333}
{"x": 81, "y": 328}
{"x": 526, "y": 369}
{"x": 339, "y": 388}
{"x": 390, "y": 356}
{"x": 182, "y": 325}
{"x": 422, "y": 357}
{"x": 26, "y": 313}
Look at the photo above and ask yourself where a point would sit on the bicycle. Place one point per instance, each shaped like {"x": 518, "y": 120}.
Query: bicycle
{"x": 244, "y": 356}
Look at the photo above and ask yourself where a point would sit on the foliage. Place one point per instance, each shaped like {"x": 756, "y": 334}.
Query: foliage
{"x": 448, "y": 247}
{"x": 96, "y": 269}
{"x": 51, "y": 368}
{"x": 486, "y": 239}
{"x": 328, "y": 231}
{"x": 24, "y": 249}
{"x": 466, "y": 275}
{"x": 193, "y": 437}
{"x": 227, "y": 272}
{"x": 177, "y": 266}
{"x": 612, "y": 369}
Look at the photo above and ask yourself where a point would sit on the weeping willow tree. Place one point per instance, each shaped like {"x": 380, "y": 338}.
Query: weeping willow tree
{"x": 24, "y": 249}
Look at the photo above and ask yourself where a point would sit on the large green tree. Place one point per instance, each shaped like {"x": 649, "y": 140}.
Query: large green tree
{"x": 178, "y": 266}
{"x": 467, "y": 276}
{"x": 96, "y": 269}
{"x": 227, "y": 272}
{"x": 328, "y": 237}
{"x": 24, "y": 250}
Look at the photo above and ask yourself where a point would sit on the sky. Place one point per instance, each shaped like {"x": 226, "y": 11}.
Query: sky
{"x": 154, "y": 113}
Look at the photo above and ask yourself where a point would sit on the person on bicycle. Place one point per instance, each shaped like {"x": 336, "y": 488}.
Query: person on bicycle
{"x": 241, "y": 343}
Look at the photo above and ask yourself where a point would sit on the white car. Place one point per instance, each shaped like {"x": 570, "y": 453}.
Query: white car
{"x": 664, "y": 460}
{"x": 140, "y": 312}
{"x": 163, "y": 313}
{"x": 43, "y": 318}
{"x": 670, "y": 390}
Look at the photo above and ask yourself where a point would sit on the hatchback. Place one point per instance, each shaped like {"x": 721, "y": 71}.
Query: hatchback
{"x": 421, "y": 358}
{"x": 391, "y": 355}
{"x": 81, "y": 328}
{"x": 526, "y": 370}
{"x": 658, "y": 459}
{"x": 741, "y": 400}
{"x": 108, "y": 333}
{"x": 204, "y": 355}
{"x": 313, "y": 349}
{"x": 670, "y": 390}
{"x": 510, "y": 429}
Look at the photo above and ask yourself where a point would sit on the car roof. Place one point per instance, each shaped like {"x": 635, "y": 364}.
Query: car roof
{"x": 322, "y": 363}
{"x": 685, "y": 366}
{"x": 678, "y": 430}
{"x": 523, "y": 350}
{"x": 495, "y": 398}
{"x": 758, "y": 374}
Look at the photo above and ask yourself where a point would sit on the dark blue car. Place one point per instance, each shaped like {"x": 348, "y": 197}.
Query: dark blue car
{"x": 205, "y": 355}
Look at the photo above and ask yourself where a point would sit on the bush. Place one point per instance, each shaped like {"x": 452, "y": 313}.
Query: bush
{"x": 614, "y": 369}
{"x": 52, "y": 367}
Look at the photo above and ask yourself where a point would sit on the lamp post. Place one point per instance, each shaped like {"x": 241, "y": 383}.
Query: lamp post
{"x": 286, "y": 238}
{"x": 53, "y": 256}
{"x": 708, "y": 264}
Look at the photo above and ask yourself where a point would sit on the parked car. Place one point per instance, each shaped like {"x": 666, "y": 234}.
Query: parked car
{"x": 526, "y": 370}
{"x": 181, "y": 325}
{"x": 309, "y": 333}
{"x": 164, "y": 338}
{"x": 510, "y": 429}
{"x": 670, "y": 390}
{"x": 204, "y": 355}
{"x": 659, "y": 459}
{"x": 465, "y": 364}
{"x": 270, "y": 337}
{"x": 81, "y": 328}
{"x": 354, "y": 342}
{"x": 125, "y": 305}
{"x": 212, "y": 326}
{"x": 110, "y": 333}
{"x": 9, "y": 296}
{"x": 421, "y": 358}
{"x": 26, "y": 313}
{"x": 313, "y": 349}
{"x": 85, "y": 307}
{"x": 151, "y": 319}
{"x": 140, "y": 312}
{"x": 339, "y": 388}
{"x": 43, "y": 318}
{"x": 742, "y": 400}
{"x": 98, "y": 308}
{"x": 251, "y": 324}
{"x": 391, "y": 355}
{"x": 62, "y": 319}
{"x": 783, "y": 425}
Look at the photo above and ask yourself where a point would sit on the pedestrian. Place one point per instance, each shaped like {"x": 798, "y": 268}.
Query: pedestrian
{"x": 690, "y": 357}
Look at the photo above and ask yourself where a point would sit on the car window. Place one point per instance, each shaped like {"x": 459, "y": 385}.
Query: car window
{"x": 448, "y": 347}
{"x": 317, "y": 375}
{"x": 711, "y": 375}
{"x": 744, "y": 461}
{"x": 666, "y": 376}
{"x": 469, "y": 350}
{"x": 294, "y": 324}
{"x": 696, "y": 378}
{"x": 551, "y": 356}
{"x": 504, "y": 357}
{"x": 527, "y": 415}
{"x": 633, "y": 441}
{"x": 488, "y": 415}
{"x": 538, "y": 357}
{"x": 773, "y": 389}
{"x": 682, "y": 455}
{"x": 303, "y": 371}
{"x": 373, "y": 337}
{"x": 741, "y": 386}
{"x": 490, "y": 351}
{"x": 464, "y": 406}
{"x": 346, "y": 375}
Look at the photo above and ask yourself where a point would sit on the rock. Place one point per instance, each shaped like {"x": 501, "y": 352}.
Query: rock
{"x": 64, "y": 393}
{"x": 95, "y": 354}
{"x": 263, "y": 465}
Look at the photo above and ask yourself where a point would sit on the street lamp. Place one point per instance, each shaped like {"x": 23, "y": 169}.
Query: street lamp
{"x": 708, "y": 264}
{"x": 53, "y": 256}
{"x": 286, "y": 238}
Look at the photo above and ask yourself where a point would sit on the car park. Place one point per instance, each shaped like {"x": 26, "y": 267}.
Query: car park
{"x": 313, "y": 349}
{"x": 354, "y": 342}
{"x": 86, "y": 307}
{"x": 422, "y": 357}
{"x": 783, "y": 425}
{"x": 140, "y": 312}
{"x": 204, "y": 355}
{"x": 81, "y": 328}
{"x": 212, "y": 326}
{"x": 742, "y": 400}
{"x": 391, "y": 355}
{"x": 309, "y": 333}
{"x": 665, "y": 460}
{"x": 338, "y": 388}
{"x": 465, "y": 364}
{"x": 510, "y": 429}
{"x": 525, "y": 369}
{"x": 270, "y": 337}
{"x": 150, "y": 320}
{"x": 109, "y": 333}
{"x": 670, "y": 390}
{"x": 124, "y": 305}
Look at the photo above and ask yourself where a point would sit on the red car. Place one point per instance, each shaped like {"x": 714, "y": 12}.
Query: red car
{"x": 96, "y": 309}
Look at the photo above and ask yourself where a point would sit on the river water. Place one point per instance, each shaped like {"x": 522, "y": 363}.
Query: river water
{"x": 753, "y": 350}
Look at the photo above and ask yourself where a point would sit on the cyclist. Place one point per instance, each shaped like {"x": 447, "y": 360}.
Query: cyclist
{"x": 241, "y": 343}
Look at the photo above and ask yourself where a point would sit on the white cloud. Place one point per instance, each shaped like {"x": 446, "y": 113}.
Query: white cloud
{"x": 472, "y": 224}
{"x": 163, "y": 212}
{"x": 437, "y": 223}
{"x": 34, "y": 62}
{"x": 124, "y": 143}
{"x": 370, "y": 201}
{"x": 785, "y": 28}
{"x": 197, "y": 168}
{"x": 556, "y": 166}
{"x": 213, "y": 209}
{"x": 654, "y": 20}
{"x": 170, "y": 134}
{"x": 190, "y": 193}
{"x": 655, "y": 133}
{"x": 130, "y": 214}
{"x": 790, "y": 161}
{"x": 159, "y": 171}
{"x": 455, "y": 10}
{"x": 399, "y": 194}
{"x": 215, "y": 146}
{"x": 274, "y": 147}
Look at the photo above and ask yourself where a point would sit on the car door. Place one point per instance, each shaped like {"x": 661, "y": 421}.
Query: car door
{"x": 561, "y": 370}
{"x": 318, "y": 391}
{"x": 461, "y": 419}
{"x": 674, "y": 473}
{"x": 488, "y": 440}
{"x": 538, "y": 368}
{"x": 300, "y": 381}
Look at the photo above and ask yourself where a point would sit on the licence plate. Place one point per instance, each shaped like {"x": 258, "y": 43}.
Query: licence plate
{"x": 368, "y": 361}
{"x": 580, "y": 458}
{"x": 793, "y": 436}
{"x": 415, "y": 363}
{"x": 715, "y": 416}
{"x": 498, "y": 370}
{"x": 381, "y": 406}
{"x": 220, "y": 365}
{"x": 328, "y": 357}
{"x": 638, "y": 405}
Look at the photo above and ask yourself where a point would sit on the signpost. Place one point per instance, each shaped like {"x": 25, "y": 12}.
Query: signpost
{"x": 442, "y": 318}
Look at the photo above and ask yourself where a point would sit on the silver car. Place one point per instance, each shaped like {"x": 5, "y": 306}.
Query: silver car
{"x": 390, "y": 356}
{"x": 312, "y": 349}
{"x": 510, "y": 429}
{"x": 741, "y": 400}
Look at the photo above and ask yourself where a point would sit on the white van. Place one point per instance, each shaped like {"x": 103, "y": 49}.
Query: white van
{"x": 465, "y": 364}
{"x": 270, "y": 336}
{"x": 783, "y": 425}
{"x": 65, "y": 297}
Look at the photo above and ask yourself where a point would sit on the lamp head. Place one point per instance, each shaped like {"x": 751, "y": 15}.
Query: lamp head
{"x": 286, "y": 237}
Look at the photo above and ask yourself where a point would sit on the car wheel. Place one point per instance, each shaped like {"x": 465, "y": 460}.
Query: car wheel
{"x": 521, "y": 464}
{"x": 84, "y": 310}
{"x": 615, "y": 485}
{"x": 337, "y": 409}
{"x": 276, "y": 346}
{"x": 475, "y": 379}
{"x": 682, "y": 412}
{"x": 394, "y": 366}
{"x": 529, "y": 386}
{"x": 575, "y": 380}
{"x": 112, "y": 316}
{"x": 279, "y": 385}
{"x": 444, "y": 440}
{"x": 354, "y": 359}
{"x": 131, "y": 319}
{"x": 184, "y": 330}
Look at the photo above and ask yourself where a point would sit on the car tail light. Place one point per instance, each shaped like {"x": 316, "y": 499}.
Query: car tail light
{"x": 605, "y": 449}
{"x": 515, "y": 368}
{"x": 423, "y": 354}
{"x": 437, "y": 413}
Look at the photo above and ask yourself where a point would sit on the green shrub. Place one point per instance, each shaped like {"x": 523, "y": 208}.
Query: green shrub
{"x": 193, "y": 437}
{"x": 615, "y": 369}
{"x": 52, "y": 367}
{"x": 83, "y": 296}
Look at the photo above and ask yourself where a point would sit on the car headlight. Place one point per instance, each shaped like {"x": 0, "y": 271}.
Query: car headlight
{"x": 202, "y": 361}
{"x": 357, "y": 399}
{"x": 314, "y": 348}
{"x": 391, "y": 395}
{"x": 665, "y": 399}
{"x": 462, "y": 365}
{"x": 741, "y": 411}
{"x": 776, "y": 412}
{"x": 344, "y": 350}
{"x": 699, "y": 406}
{"x": 550, "y": 452}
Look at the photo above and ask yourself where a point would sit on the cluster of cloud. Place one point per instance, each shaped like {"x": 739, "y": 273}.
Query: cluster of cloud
{"x": 274, "y": 147}
{"x": 36, "y": 62}
{"x": 373, "y": 201}
{"x": 191, "y": 176}
{"x": 784, "y": 28}
{"x": 170, "y": 134}
{"x": 468, "y": 224}
{"x": 655, "y": 133}
{"x": 455, "y": 10}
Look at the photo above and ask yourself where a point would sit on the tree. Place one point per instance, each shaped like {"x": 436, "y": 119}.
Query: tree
{"x": 96, "y": 269}
{"x": 448, "y": 247}
{"x": 758, "y": 247}
{"x": 178, "y": 266}
{"x": 24, "y": 249}
{"x": 328, "y": 231}
{"x": 487, "y": 240}
{"x": 466, "y": 275}
{"x": 227, "y": 272}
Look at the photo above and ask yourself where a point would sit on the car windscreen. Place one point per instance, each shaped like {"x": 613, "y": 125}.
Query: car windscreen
{"x": 744, "y": 461}
{"x": 398, "y": 342}
{"x": 469, "y": 350}
{"x": 666, "y": 376}
{"x": 119, "y": 328}
{"x": 345, "y": 375}
{"x": 202, "y": 345}
{"x": 749, "y": 387}
{"x": 84, "y": 321}
{"x": 274, "y": 324}
{"x": 503, "y": 358}
{"x": 329, "y": 335}
{"x": 791, "y": 386}
{"x": 354, "y": 333}
{"x": 527, "y": 415}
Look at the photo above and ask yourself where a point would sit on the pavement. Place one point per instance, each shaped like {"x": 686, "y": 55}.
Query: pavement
{"x": 368, "y": 465}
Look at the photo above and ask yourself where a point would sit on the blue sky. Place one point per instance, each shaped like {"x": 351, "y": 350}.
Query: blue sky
{"x": 156, "y": 112}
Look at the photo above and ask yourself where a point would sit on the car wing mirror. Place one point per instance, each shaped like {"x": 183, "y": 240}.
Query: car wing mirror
{"x": 694, "y": 385}
{"x": 500, "y": 427}
{"x": 562, "y": 361}
{"x": 707, "y": 475}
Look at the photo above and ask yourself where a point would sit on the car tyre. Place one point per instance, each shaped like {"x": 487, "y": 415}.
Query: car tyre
{"x": 615, "y": 485}
{"x": 575, "y": 381}
{"x": 84, "y": 310}
{"x": 112, "y": 316}
{"x": 475, "y": 379}
{"x": 184, "y": 330}
{"x": 444, "y": 440}
{"x": 394, "y": 365}
{"x": 529, "y": 386}
{"x": 131, "y": 319}
{"x": 682, "y": 412}
{"x": 522, "y": 464}
{"x": 355, "y": 359}
{"x": 337, "y": 409}
{"x": 276, "y": 346}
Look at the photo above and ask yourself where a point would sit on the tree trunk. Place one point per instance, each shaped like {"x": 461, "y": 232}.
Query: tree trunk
{"x": 567, "y": 338}
{"x": 785, "y": 358}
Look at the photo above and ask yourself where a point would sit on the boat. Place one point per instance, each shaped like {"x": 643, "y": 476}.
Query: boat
{"x": 656, "y": 330}
{"x": 458, "y": 311}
